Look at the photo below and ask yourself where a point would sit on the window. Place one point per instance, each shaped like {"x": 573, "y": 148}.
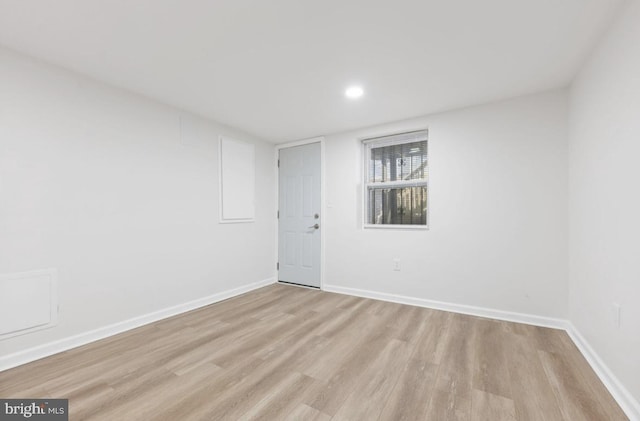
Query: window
{"x": 396, "y": 181}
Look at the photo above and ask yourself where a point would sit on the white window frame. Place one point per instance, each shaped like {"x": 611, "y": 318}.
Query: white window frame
{"x": 390, "y": 140}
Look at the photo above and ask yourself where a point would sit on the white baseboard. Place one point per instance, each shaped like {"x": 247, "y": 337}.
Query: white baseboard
{"x": 509, "y": 316}
{"x": 45, "y": 350}
{"x": 627, "y": 402}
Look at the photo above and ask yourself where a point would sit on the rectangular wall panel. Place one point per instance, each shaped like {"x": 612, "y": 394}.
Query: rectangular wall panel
{"x": 28, "y": 302}
{"x": 237, "y": 181}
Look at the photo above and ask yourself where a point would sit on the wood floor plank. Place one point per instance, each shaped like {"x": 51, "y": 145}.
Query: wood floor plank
{"x": 85, "y": 400}
{"x": 341, "y": 346}
{"x": 306, "y": 413}
{"x": 491, "y": 373}
{"x": 449, "y": 406}
{"x": 455, "y": 374}
{"x": 411, "y": 328}
{"x": 573, "y": 394}
{"x": 486, "y": 406}
{"x": 531, "y": 391}
{"x": 242, "y": 397}
{"x": 451, "y": 399}
{"x": 151, "y": 402}
{"x": 283, "y": 401}
{"x": 375, "y": 384}
{"x": 204, "y": 398}
{"x": 345, "y": 367}
{"x": 306, "y": 330}
{"x": 291, "y": 353}
{"x": 430, "y": 344}
{"x": 408, "y": 400}
{"x": 579, "y": 364}
{"x": 238, "y": 397}
{"x": 338, "y": 322}
{"x": 327, "y": 302}
{"x": 245, "y": 346}
{"x": 127, "y": 389}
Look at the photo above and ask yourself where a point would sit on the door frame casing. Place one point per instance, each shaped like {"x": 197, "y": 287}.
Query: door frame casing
{"x": 323, "y": 216}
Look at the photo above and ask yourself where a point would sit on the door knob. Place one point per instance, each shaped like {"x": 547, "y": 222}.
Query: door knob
{"x": 315, "y": 226}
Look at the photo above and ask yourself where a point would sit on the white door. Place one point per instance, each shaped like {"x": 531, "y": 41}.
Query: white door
{"x": 299, "y": 215}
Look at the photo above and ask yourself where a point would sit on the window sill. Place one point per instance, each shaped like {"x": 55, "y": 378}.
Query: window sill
{"x": 397, "y": 227}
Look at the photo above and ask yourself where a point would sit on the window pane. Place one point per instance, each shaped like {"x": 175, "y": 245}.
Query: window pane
{"x": 407, "y": 161}
{"x": 403, "y": 206}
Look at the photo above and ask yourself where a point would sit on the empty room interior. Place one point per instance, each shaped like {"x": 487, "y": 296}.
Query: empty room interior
{"x": 329, "y": 210}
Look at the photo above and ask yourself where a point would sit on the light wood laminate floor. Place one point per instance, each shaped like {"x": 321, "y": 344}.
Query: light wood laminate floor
{"x": 288, "y": 353}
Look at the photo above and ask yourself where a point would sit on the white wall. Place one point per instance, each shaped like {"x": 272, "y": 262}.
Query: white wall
{"x": 604, "y": 204}
{"x": 121, "y": 197}
{"x": 498, "y": 211}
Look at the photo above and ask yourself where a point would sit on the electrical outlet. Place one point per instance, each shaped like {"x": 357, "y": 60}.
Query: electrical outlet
{"x": 396, "y": 264}
{"x": 616, "y": 314}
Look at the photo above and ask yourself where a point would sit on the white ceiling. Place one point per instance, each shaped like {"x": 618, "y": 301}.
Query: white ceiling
{"x": 278, "y": 68}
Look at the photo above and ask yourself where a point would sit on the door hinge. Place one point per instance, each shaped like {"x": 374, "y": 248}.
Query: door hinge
{"x": 278, "y": 163}
{"x": 278, "y": 266}
{"x": 278, "y": 214}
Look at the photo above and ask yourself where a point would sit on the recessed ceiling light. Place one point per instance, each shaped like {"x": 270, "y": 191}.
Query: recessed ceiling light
{"x": 354, "y": 92}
